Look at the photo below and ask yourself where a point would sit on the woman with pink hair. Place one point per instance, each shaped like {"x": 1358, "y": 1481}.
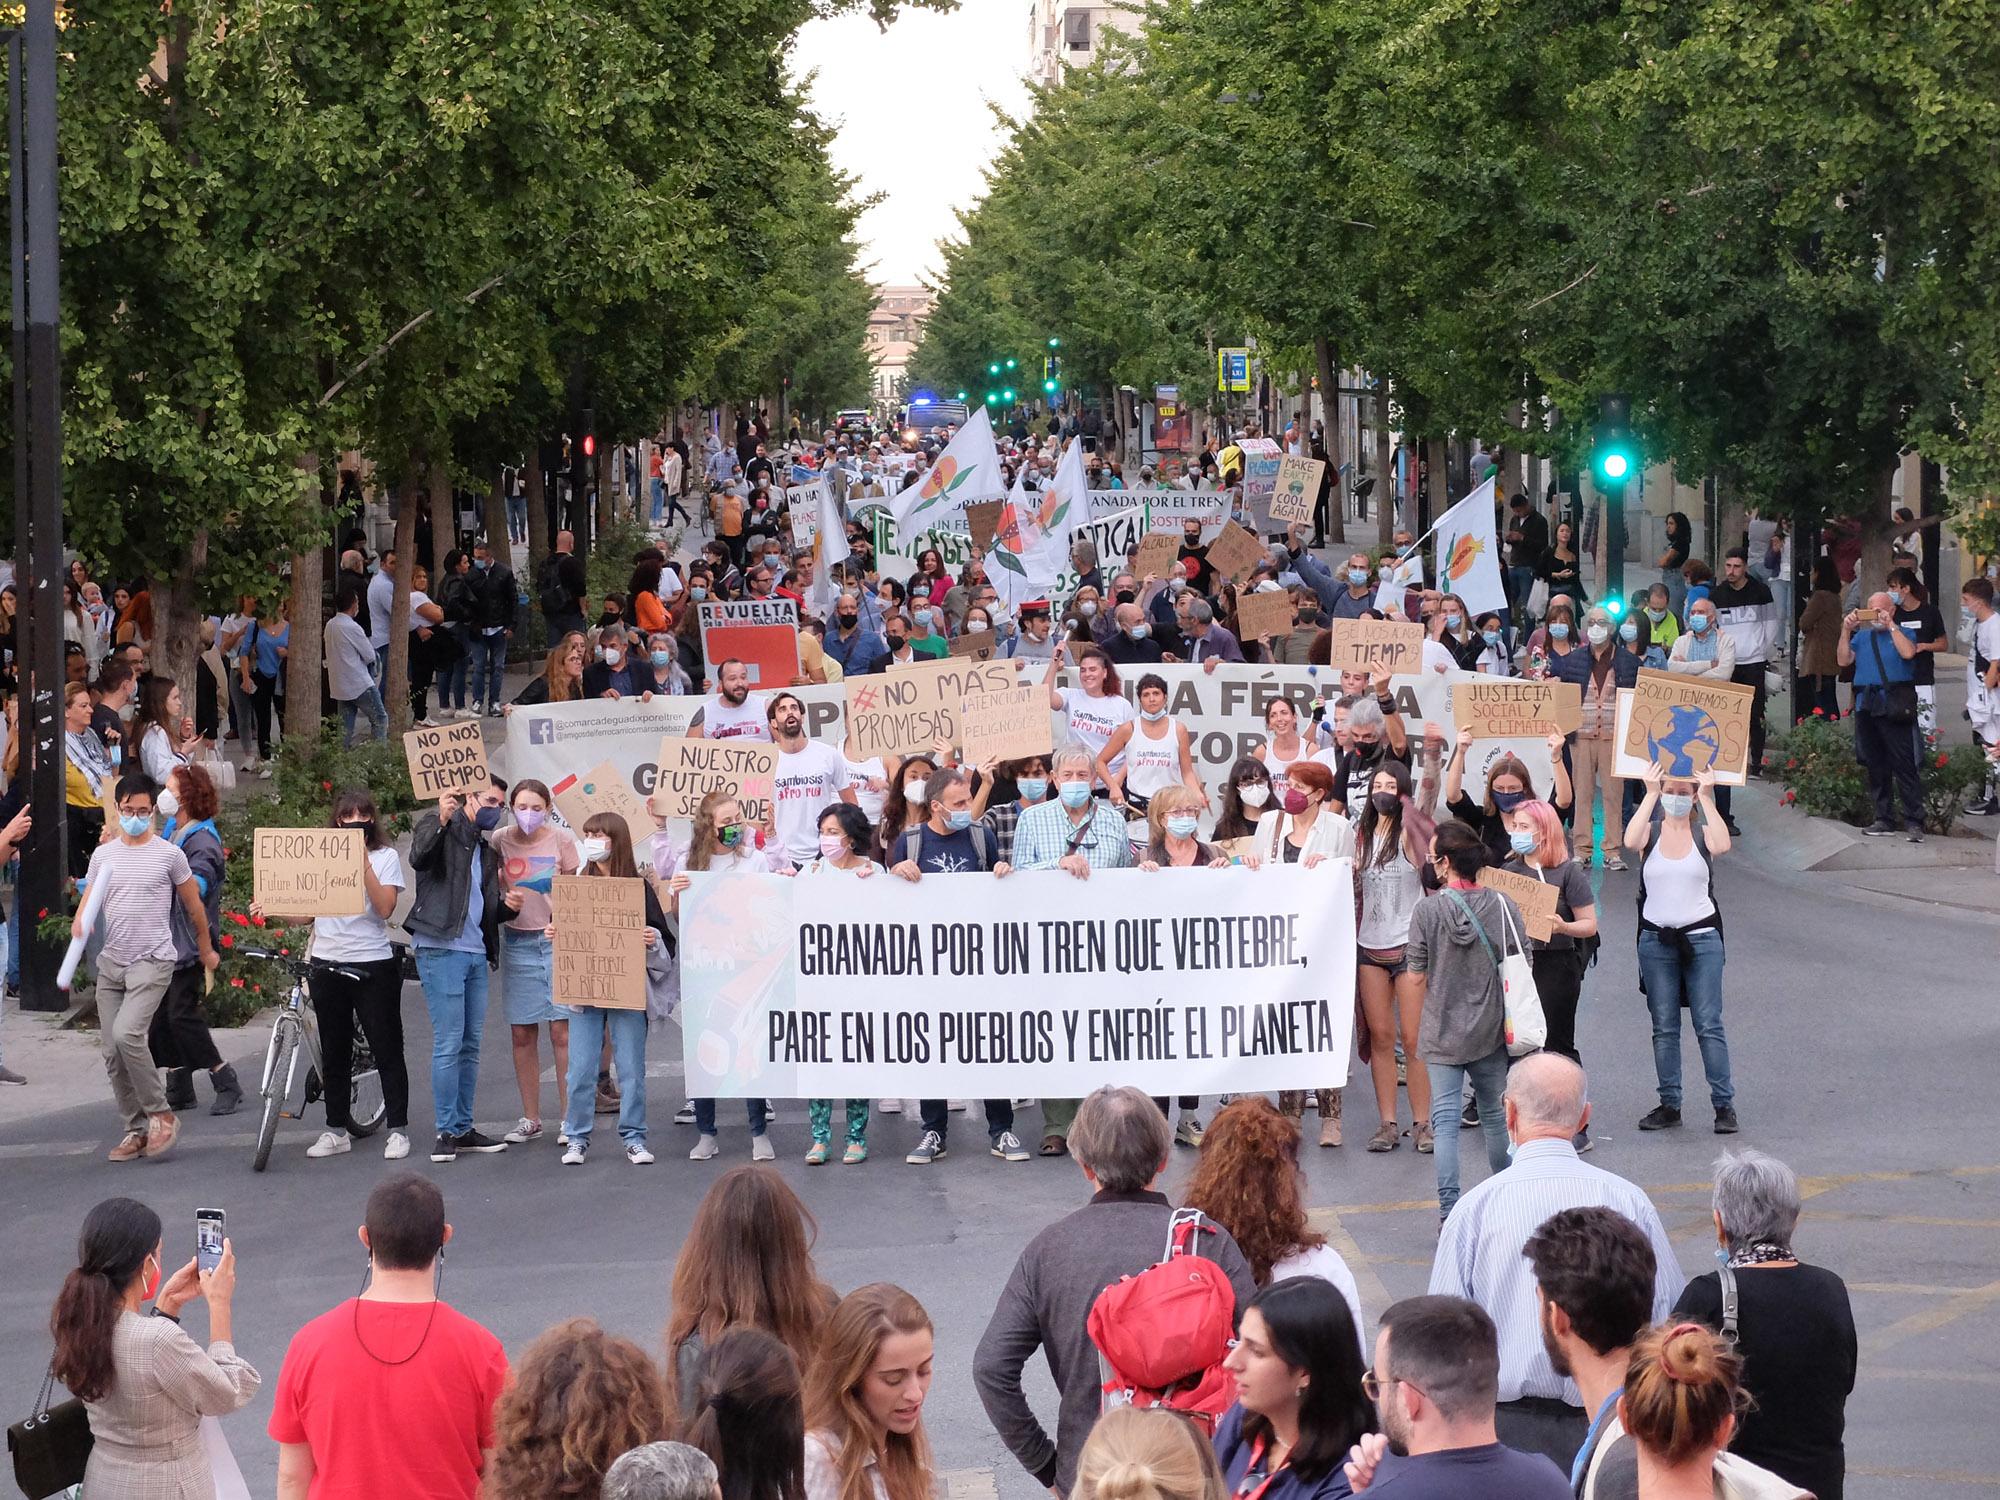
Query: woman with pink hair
{"x": 1541, "y": 852}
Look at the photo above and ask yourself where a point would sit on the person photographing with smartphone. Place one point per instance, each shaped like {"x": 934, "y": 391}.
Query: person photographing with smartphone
{"x": 1885, "y": 713}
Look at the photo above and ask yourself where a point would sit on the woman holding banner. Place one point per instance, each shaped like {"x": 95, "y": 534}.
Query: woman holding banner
{"x": 1301, "y": 831}
{"x": 561, "y": 679}
{"x": 607, "y": 851}
{"x": 1391, "y": 840}
{"x": 843, "y": 853}
{"x": 1508, "y": 785}
{"x": 1154, "y": 750}
{"x": 1244, "y": 796}
{"x": 907, "y": 804}
{"x": 724, "y": 840}
{"x": 532, "y": 853}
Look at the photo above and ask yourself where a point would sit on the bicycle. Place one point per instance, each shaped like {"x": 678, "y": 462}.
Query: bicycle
{"x": 296, "y": 1027}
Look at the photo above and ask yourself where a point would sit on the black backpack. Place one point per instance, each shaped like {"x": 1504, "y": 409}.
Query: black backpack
{"x": 555, "y": 598}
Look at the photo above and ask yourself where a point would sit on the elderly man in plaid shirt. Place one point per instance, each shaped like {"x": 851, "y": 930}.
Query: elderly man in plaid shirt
{"x": 1076, "y": 831}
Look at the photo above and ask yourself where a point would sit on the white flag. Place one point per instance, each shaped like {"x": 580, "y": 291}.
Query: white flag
{"x": 1031, "y": 539}
{"x": 829, "y": 546}
{"x": 1468, "y": 553}
{"x": 967, "y": 472}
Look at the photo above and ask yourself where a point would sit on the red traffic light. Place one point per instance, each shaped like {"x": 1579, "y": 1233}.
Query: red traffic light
{"x": 590, "y": 445}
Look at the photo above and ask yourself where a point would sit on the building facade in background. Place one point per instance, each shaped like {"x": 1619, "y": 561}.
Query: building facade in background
{"x": 1068, "y": 33}
{"x": 894, "y": 329}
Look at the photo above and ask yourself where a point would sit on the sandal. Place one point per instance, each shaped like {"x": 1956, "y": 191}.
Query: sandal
{"x": 816, "y": 1157}
{"x": 1386, "y": 1137}
{"x": 855, "y": 1154}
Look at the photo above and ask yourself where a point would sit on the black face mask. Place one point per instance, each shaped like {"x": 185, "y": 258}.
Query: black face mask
{"x": 1125, "y": 596}
{"x": 366, "y": 830}
{"x": 847, "y": 621}
{"x": 1369, "y": 750}
{"x": 1429, "y": 877}
{"x": 1386, "y": 803}
{"x": 896, "y": 642}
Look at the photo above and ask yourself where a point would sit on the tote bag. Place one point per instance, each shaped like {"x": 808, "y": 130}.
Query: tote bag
{"x": 1527, "y": 1027}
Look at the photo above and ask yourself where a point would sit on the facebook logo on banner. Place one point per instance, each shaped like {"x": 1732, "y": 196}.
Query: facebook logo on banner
{"x": 541, "y": 731}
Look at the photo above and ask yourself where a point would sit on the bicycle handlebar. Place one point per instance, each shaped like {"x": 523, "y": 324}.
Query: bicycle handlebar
{"x": 299, "y": 966}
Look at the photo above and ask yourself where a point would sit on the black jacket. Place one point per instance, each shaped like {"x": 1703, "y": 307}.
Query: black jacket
{"x": 441, "y": 857}
{"x": 495, "y": 598}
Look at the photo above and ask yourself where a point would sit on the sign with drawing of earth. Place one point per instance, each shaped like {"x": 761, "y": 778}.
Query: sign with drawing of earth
{"x": 1688, "y": 742}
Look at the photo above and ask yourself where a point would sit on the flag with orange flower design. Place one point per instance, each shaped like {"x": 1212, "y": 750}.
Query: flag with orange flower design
{"x": 966, "y": 472}
{"x": 1468, "y": 554}
{"x": 1031, "y": 539}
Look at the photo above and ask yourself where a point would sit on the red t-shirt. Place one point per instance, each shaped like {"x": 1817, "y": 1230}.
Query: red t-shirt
{"x": 417, "y": 1430}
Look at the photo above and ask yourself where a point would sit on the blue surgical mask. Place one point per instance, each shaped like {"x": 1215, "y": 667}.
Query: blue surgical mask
{"x": 1074, "y": 793}
{"x": 922, "y": 617}
{"x": 1032, "y": 788}
{"x": 958, "y": 821}
{"x": 1676, "y": 804}
{"x": 1699, "y": 624}
{"x": 486, "y": 819}
{"x": 1521, "y": 843}
{"x": 1152, "y": 715}
{"x": 1452, "y": 622}
{"x": 1656, "y": 615}
{"x": 1138, "y": 632}
{"x": 1492, "y": 638}
{"x": 1629, "y": 630}
{"x": 1559, "y": 631}
{"x": 134, "y": 824}
{"x": 1358, "y": 577}
{"x": 661, "y": 658}
{"x": 698, "y": 592}
{"x": 1181, "y": 826}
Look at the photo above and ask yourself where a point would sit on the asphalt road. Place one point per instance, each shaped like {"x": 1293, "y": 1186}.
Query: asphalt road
{"x": 1863, "y": 1035}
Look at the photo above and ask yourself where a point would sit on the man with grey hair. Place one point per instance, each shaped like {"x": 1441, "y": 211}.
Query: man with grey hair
{"x": 1204, "y": 638}
{"x": 662, "y": 1471}
{"x": 1121, "y": 1141}
{"x": 1479, "y": 1252}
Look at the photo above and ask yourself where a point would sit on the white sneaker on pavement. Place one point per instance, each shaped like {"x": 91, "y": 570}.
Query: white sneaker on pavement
{"x": 331, "y": 1143}
{"x": 525, "y": 1130}
{"x": 760, "y": 1148}
{"x": 397, "y": 1148}
{"x": 637, "y": 1154}
{"x": 574, "y": 1156}
{"x": 705, "y": 1149}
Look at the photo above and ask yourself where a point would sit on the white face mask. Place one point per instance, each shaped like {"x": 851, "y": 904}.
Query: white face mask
{"x": 169, "y": 805}
{"x": 596, "y": 850}
{"x": 1254, "y": 795}
{"x": 1597, "y": 635}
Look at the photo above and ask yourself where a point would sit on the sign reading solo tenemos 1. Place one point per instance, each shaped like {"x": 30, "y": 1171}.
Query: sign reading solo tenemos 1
{"x": 1175, "y": 981}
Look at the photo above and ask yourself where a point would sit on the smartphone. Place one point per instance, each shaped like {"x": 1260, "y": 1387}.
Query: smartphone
{"x": 207, "y": 1238}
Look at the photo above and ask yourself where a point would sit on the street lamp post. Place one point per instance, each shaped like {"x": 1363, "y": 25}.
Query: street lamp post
{"x": 38, "y": 534}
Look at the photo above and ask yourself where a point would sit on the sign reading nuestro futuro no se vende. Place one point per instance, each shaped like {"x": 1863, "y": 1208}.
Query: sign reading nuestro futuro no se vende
{"x": 1178, "y": 981}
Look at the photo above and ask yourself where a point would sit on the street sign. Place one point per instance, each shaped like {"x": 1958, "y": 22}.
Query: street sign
{"x": 1232, "y": 370}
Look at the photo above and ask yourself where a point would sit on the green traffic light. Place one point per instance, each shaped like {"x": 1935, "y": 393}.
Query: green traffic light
{"x": 1049, "y": 386}
{"x": 1614, "y": 606}
{"x": 961, "y": 395}
{"x": 994, "y": 368}
{"x": 1614, "y": 464}
{"x": 1055, "y": 343}
{"x": 1010, "y": 364}
{"x": 992, "y": 398}
{"x": 1007, "y": 395}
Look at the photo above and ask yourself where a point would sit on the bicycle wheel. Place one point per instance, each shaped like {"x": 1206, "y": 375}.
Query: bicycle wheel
{"x": 366, "y": 1108}
{"x": 277, "y": 1086}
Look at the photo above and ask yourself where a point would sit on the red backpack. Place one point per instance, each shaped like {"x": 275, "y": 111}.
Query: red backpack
{"x": 1162, "y": 1335}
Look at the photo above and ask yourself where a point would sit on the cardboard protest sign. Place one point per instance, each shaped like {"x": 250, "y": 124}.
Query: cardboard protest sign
{"x": 690, "y": 769}
{"x": 1297, "y": 489}
{"x": 600, "y": 942}
{"x": 978, "y": 645}
{"x": 1536, "y": 898}
{"x": 1159, "y": 555}
{"x": 1260, "y": 615}
{"x": 1006, "y": 725}
{"x": 1392, "y": 646}
{"x": 1687, "y": 724}
{"x": 910, "y": 708}
{"x": 763, "y": 634}
{"x": 981, "y": 517}
{"x": 1510, "y": 708}
{"x": 309, "y": 872}
{"x": 446, "y": 761}
{"x": 602, "y": 790}
{"x": 1234, "y": 551}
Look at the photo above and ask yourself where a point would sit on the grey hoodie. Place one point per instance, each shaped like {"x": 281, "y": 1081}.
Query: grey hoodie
{"x": 1464, "y": 1011}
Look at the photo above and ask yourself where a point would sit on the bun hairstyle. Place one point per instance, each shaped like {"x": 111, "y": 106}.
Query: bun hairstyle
{"x": 111, "y": 1250}
{"x": 1681, "y": 1390}
{"x": 1147, "y": 1455}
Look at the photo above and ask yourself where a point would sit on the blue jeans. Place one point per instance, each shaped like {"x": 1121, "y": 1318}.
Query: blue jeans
{"x": 487, "y": 656}
{"x": 451, "y": 680}
{"x": 659, "y": 488}
{"x": 368, "y": 706}
{"x": 1665, "y": 973}
{"x": 455, "y": 994}
{"x": 14, "y": 932}
{"x": 517, "y": 518}
{"x": 1489, "y": 1082}
{"x": 704, "y": 1113}
{"x": 1677, "y": 591}
{"x": 1520, "y": 584}
{"x": 587, "y": 1026}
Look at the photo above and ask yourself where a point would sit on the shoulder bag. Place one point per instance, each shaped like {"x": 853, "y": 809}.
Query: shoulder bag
{"x": 1893, "y": 702}
{"x": 52, "y": 1446}
{"x": 1527, "y": 1028}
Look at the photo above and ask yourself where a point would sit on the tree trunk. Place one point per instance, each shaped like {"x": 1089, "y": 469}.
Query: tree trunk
{"x": 1385, "y": 478}
{"x": 444, "y": 517}
{"x": 1326, "y": 365}
{"x": 496, "y": 515}
{"x": 1878, "y": 528}
{"x": 303, "y": 655}
{"x": 177, "y": 625}
{"x": 607, "y": 509}
{"x": 396, "y": 681}
{"x": 1514, "y": 473}
{"x": 1440, "y": 492}
{"x": 535, "y": 491}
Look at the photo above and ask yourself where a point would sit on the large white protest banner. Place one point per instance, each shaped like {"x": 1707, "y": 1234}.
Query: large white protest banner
{"x": 1175, "y": 981}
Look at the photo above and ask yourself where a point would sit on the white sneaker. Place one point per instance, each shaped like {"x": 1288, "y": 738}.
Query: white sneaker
{"x": 397, "y": 1148}
{"x": 251, "y": 765}
{"x": 330, "y": 1143}
{"x": 562, "y": 1135}
{"x": 760, "y": 1148}
{"x": 705, "y": 1149}
{"x": 267, "y": 773}
{"x": 574, "y": 1156}
{"x": 525, "y": 1130}
{"x": 637, "y": 1154}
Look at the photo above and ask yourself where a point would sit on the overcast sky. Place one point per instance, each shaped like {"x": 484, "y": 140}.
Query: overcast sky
{"x": 911, "y": 108}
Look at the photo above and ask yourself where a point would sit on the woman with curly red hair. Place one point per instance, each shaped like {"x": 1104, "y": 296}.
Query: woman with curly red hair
{"x": 579, "y": 1398}
{"x": 1247, "y": 1179}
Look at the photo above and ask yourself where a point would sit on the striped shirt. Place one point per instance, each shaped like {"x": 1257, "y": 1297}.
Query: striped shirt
{"x": 139, "y": 894}
{"x": 1479, "y": 1253}
{"x": 1043, "y": 835}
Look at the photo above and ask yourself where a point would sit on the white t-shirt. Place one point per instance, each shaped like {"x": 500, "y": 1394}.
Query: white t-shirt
{"x": 719, "y": 721}
{"x": 870, "y": 803}
{"x": 418, "y": 599}
{"x": 363, "y": 939}
{"x": 808, "y": 779}
{"x": 1094, "y": 720}
{"x": 1324, "y": 1262}
{"x": 1436, "y": 657}
{"x": 381, "y": 591}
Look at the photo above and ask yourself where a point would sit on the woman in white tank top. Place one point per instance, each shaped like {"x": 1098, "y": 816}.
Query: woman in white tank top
{"x": 1392, "y": 838}
{"x": 1150, "y": 753}
{"x": 1284, "y": 748}
{"x": 1680, "y": 938}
